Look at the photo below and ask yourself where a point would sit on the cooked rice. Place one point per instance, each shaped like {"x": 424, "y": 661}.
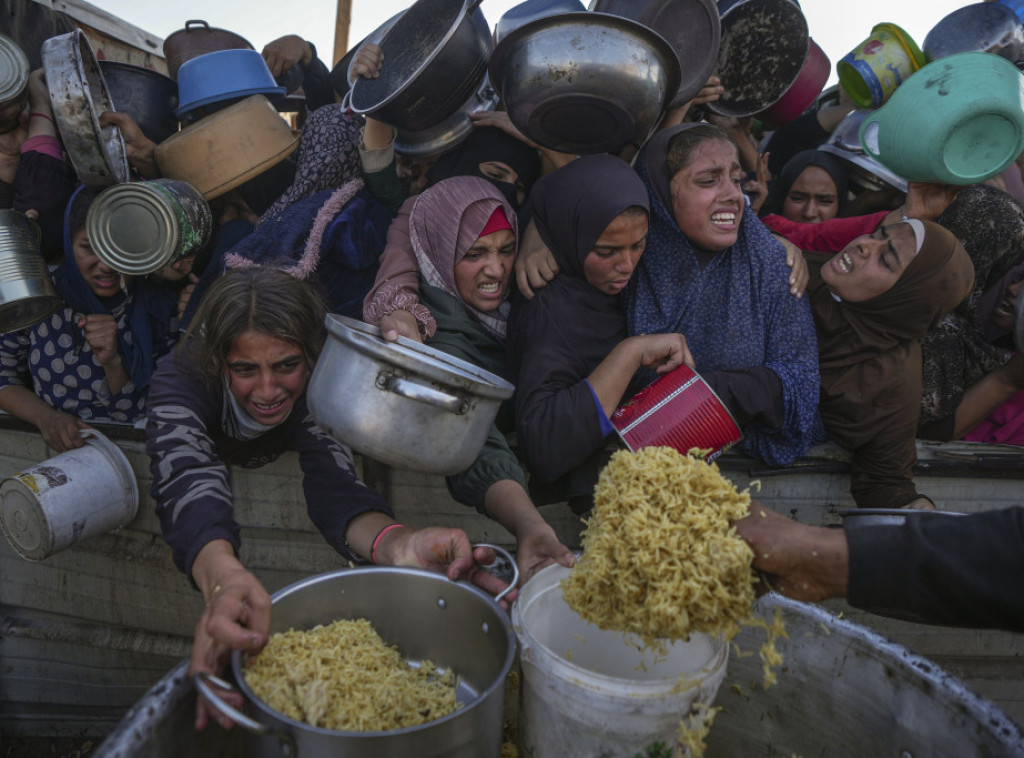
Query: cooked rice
{"x": 661, "y": 558}
{"x": 344, "y": 677}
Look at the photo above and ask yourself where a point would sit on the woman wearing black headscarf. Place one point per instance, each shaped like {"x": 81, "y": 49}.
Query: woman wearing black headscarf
{"x": 568, "y": 350}
{"x": 811, "y": 188}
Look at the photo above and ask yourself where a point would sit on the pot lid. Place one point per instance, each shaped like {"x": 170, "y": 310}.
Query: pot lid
{"x": 132, "y": 229}
{"x": 13, "y": 69}
{"x": 417, "y": 358}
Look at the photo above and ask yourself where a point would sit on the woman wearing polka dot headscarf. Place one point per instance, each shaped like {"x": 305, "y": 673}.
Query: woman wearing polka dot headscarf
{"x": 91, "y": 360}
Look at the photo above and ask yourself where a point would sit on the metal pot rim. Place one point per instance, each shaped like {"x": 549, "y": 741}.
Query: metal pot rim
{"x": 417, "y": 358}
{"x": 468, "y": 8}
{"x": 311, "y": 582}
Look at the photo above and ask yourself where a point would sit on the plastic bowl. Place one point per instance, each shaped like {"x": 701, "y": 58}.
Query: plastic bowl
{"x": 223, "y": 75}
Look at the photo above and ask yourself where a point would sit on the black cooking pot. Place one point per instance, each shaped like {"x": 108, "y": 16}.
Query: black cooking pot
{"x": 435, "y": 57}
{"x": 147, "y": 96}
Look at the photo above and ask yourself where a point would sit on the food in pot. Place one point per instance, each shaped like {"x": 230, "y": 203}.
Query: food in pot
{"x": 345, "y": 677}
{"x": 661, "y": 558}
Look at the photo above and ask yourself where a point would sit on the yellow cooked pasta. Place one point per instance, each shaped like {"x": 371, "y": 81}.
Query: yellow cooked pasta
{"x": 344, "y": 677}
{"x": 660, "y": 557}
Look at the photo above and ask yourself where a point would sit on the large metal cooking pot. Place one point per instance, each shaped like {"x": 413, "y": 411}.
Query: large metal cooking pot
{"x": 452, "y": 130}
{"x": 585, "y": 82}
{"x": 763, "y": 47}
{"x": 339, "y": 75}
{"x": 454, "y": 624}
{"x": 844, "y": 690}
{"x": 402, "y": 403}
{"x": 79, "y": 95}
{"x": 865, "y": 171}
{"x": 692, "y": 27}
{"x": 199, "y": 38}
{"x": 147, "y": 96}
{"x": 981, "y": 27}
{"x": 434, "y": 58}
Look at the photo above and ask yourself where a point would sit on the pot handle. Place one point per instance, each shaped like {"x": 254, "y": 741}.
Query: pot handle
{"x": 197, "y": 22}
{"x": 422, "y": 394}
{"x": 202, "y": 681}
{"x": 508, "y": 557}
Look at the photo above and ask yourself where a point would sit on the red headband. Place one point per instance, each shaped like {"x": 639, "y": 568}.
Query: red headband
{"x": 496, "y": 222}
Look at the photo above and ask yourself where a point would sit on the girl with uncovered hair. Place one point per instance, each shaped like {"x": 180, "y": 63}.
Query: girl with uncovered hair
{"x": 235, "y": 393}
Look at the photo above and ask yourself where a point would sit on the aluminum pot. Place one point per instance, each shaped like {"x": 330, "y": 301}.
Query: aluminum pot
{"x": 147, "y": 96}
{"x": 435, "y": 56}
{"x": 402, "y": 403}
{"x": 692, "y": 27}
{"x": 763, "y": 47}
{"x": 603, "y": 91}
{"x": 199, "y": 38}
{"x": 981, "y": 27}
{"x": 454, "y": 624}
{"x": 452, "y": 130}
{"x": 79, "y": 95}
{"x": 845, "y": 690}
{"x": 865, "y": 171}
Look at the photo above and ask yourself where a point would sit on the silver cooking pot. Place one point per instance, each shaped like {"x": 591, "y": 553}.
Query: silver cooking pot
{"x": 454, "y": 624}
{"x": 435, "y": 56}
{"x": 980, "y": 27}
{"x": 405, "y": 404}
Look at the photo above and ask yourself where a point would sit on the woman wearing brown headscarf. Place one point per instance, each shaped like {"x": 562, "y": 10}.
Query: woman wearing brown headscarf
{"x": 872, "y": 303}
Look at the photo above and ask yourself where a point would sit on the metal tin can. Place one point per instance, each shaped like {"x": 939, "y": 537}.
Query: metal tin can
{"x": 27, "y": 294}
{"x": 139, "y": 228}
{"x": 14, "y": 72}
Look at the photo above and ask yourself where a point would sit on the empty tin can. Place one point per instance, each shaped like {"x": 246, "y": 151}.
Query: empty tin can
{"x": 13, "y": 84}
{"x": 139, "y": 228}
{"x": 27, "y": 295}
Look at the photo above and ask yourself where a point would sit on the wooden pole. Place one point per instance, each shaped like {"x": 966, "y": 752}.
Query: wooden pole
{"x": 342, "y": 21}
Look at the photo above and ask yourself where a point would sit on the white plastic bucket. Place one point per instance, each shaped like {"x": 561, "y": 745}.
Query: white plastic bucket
{"x": 587, "y": 692}
{"x": 82, "y": 492}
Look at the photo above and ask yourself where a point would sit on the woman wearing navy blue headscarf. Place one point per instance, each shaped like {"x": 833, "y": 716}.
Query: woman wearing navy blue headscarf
{"x": 93, "y": 358}
{"x": 715, "y": 274}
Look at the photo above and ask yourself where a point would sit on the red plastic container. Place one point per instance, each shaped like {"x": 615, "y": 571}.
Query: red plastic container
{"x": 804, "y": 90}
{"x": 677, "y": 410}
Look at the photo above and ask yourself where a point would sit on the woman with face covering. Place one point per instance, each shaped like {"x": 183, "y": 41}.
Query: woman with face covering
{"x": 463, "y": 236}
{"x": 716, "y": 275}
{"x": 92, "y": 359}
{"x": 234, "y": 392}
{"x": 872, "y": 302}
{"x": 811, "y": 188}
{"x": 488, "y": 153}
{"x": 571, "y": 358}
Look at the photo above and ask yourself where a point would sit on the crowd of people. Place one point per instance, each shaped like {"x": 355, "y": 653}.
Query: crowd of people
{"x": 578, "y": 278}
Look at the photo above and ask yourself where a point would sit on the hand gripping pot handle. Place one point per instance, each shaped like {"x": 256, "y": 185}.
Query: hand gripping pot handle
{"x": 422, "y": 393}
{"x": 508, "y": 557}
{"x": 202, "y": 681}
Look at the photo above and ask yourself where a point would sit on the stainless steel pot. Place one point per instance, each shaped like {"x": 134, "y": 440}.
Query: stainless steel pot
{"x": 980, "y": 27}
{"x": 402, "y": 403}
{"x": 585, "y": 82}
{"x": 452, "y": 130}
{"x": 79, "y": 95}
{"x": 27, "y": 294}
{"x": 435, "y": 56}
{"x": 692, "y": 27}
{"x": 454, "y": 624}
{"x": 865, "y": 171}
